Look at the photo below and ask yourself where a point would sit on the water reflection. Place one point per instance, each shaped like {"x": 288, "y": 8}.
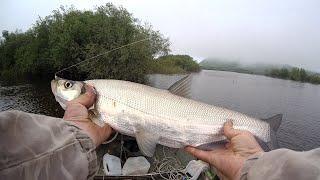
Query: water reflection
{"x": 33, "y": 98}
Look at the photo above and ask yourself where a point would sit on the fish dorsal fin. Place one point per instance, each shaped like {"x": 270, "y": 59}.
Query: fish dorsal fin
{"x": 147, "y": 142}
{"x": 274, "y": 122}
{"x": 182, "y": 87}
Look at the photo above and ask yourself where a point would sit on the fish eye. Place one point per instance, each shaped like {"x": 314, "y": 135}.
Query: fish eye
{"x": 67, "y": 84}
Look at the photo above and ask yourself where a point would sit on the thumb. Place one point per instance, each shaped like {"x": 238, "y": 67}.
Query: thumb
{"x": 87, "y": 99}
{"x": 200, "y": 154}
{"x": 229, "y": 131}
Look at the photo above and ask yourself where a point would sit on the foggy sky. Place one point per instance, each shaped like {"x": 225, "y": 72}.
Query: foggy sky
{"x": 269, "y": 31}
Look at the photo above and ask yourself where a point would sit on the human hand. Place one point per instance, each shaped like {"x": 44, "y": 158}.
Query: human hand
{"x": 229, "y": 160}
{"x": 77, "y": 112}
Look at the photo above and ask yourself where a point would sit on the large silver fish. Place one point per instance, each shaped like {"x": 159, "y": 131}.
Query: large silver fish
{"x": 156, "y": 116}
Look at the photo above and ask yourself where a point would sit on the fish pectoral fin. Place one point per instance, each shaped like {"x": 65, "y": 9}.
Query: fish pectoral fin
{"x": 95, "y": 118}
{"x": 147, "y": 142}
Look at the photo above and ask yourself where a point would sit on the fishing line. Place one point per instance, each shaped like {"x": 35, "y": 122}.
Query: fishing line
{"x": 168, "y": 164}
{"x": 111, "y": 140}
{"x": 86, "y": 60}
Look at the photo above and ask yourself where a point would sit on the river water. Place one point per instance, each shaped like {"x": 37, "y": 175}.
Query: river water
{"x": 258, "y": 96}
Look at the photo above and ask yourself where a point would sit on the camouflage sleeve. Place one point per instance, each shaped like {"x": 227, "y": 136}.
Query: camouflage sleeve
{"x": 283, "y": 164}
{"x": 41, "y": 147}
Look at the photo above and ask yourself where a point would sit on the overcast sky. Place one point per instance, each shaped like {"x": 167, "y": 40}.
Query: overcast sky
{"x": 268, "y": 31}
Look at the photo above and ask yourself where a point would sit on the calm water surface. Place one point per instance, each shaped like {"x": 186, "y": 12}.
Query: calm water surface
{"x": 254, "y": 95}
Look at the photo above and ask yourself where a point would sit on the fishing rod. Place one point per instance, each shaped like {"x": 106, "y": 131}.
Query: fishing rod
{"x": 101, "y": 54}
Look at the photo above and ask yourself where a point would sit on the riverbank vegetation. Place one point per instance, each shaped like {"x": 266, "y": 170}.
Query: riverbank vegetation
{"x": 69, "y": 36}
{"x": 295, "y": 74}
{"x": 276, "y": 71}
{"x": 174, "y": 64}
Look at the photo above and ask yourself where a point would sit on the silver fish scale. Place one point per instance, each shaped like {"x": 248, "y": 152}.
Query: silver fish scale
{"x": 177, "y": 119}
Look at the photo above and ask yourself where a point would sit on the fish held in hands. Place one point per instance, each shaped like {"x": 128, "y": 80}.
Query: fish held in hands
{"x": 155, "y": 116}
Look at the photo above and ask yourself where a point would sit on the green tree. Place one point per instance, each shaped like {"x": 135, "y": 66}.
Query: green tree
{"x": 303, "y": 75}
{"x": 284, "y": 73}
{"x": 295, "y": 74}
{"x": 314, "y": 78}
{"x": 69, "y": 36}
{"x": 274, "y": 73}
{"x": 170, "y": 64}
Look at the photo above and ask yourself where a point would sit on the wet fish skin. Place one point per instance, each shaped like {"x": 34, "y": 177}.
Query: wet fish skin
{"x": 156, "y": 116}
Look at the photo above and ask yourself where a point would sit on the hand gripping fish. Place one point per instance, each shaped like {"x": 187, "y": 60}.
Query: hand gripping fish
{"x": 155, "y": 116}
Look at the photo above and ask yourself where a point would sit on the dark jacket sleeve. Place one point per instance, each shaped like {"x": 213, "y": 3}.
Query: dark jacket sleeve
{"x": 283, "y": 164}
{"x": 41, "y": 147}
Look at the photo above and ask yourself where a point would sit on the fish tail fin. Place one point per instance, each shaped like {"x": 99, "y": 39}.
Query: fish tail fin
{"x": 274, "y": 122}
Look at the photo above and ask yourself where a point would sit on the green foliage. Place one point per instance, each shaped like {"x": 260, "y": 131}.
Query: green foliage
{"x": 314, "y": 78}
{"x": 69, "y": 36}
{"x": 303, "y": 75}
{"x": 172, "y": 64}
{"x": 295, "y": 74}
{"x": 284, "y": 73}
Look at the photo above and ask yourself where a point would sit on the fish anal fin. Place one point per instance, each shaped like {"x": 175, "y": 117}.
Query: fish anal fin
{"x": 181, "y": 87}
{"x": 96, "y": 118}
{"x": 147, "y": 142}
{"x": 213, "y": 145}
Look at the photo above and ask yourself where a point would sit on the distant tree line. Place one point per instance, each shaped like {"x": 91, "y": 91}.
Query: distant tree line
{"x": 221, "y": 65}
{"x": 295, "y": 74}
{"x": 69, "y": 36}
{"x": 276, "y": 71}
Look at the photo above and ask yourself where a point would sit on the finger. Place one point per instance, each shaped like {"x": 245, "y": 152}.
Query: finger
{"x": 200, "y": 154}
{"x": 228, "y": 130}
{"x": 87, "y": 99}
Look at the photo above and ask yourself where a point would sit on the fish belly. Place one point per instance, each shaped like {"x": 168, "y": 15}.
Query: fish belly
{"x": 169, "y": 131}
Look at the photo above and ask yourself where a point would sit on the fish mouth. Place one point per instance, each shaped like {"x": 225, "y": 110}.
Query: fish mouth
{"x": 54, "y": 86}
{"x": 61, "y": 101}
